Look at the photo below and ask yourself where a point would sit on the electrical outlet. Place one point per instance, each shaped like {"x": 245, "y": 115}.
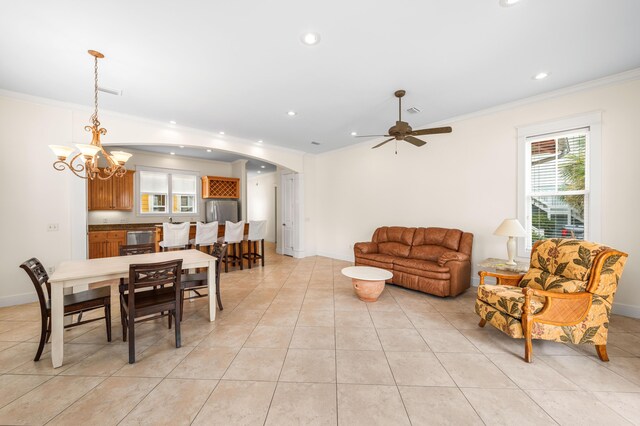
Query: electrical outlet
{"x": 52, "y": 227}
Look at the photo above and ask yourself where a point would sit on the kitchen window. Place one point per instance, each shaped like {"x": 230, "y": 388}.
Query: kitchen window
{"x": 559, "y": 181}
{"x": 167, "y": 191}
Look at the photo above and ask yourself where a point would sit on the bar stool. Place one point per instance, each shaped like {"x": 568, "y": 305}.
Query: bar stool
{"x": 233, "y": 236}
{"x": 257, "y": 231}
{"x": 175, "y": 236}
{"x": 206, "y": 235}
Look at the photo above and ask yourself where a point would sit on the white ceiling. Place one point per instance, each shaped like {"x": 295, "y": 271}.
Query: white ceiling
{"x": 239, "y": 66}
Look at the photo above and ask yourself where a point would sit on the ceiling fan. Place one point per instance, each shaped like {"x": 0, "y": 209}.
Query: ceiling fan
{"x": 403, "y": 132}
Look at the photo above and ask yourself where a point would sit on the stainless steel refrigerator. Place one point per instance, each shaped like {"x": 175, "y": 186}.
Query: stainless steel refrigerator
{"x": 221, "y": 211}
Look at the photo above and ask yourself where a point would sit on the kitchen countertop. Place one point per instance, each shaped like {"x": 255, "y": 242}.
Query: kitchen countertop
{"x": 124, "y": 227}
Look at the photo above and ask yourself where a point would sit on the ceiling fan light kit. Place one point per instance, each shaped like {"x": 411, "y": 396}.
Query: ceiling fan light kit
{"x": 402, "y": 131}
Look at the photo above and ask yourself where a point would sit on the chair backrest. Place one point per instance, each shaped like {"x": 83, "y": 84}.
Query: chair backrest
{"x": 39, "y": 276}
{"x": 206, "y": 233}
{"x": 143, "y": 276}
{"x": 175, "y": 234}
{"x": 570, "y": 266}
{"x": 131, "y": 249}
{"x": 233, "y": 232}
{"x": 257, "y": 230}
{"x": 219, "y": 251}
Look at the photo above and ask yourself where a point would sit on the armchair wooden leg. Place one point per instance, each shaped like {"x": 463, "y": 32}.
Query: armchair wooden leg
{"x": 482, "y": 322}
{"x": 602, "y": 353}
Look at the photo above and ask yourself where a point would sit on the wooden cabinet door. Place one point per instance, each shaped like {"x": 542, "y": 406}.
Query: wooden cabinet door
{"x": 106, "y": 243}
{"x": 123, "y": 192}
{"x": 115, "y": 193}
{"x": 100, "y": 194}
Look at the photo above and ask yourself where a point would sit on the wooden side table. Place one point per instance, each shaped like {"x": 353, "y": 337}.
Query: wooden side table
{"x": 503, "y": 273}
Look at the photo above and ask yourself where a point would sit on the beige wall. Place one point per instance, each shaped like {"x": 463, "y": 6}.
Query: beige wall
{"x": 468, "y": 180}
{"x": 261, "y": 201}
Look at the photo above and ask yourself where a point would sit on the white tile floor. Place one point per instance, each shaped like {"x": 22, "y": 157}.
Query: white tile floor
{"x": 295, "y": 346}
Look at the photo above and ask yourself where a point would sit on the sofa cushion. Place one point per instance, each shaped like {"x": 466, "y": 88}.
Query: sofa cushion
{"x": 394, "y": 234}
{"x": 423, "y": 268}
{"x": 448, "y": 238}
{"x": 427, "y": 252}
{"x": 542, "y": 280}
{"x": 394, "y": 249}
{"x": 570, "y": 259}
{"x": 375, "y": 259}
{"x": 508, "y": 299}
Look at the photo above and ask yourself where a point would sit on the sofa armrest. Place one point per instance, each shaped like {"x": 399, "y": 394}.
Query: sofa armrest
{"x": 364, "y": 248}
{"x": 452, "y": 255}
{"x": 559, "y": 308}
{"x": 501, "y": 279}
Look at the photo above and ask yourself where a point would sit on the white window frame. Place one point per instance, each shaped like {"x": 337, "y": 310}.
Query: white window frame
{"x": 170, "y": 194}
{"x": 593, "y": 170}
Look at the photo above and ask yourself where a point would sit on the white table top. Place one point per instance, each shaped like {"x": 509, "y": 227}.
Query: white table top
{"x": 77, "y": 269}
{"x": 367, "y": 273}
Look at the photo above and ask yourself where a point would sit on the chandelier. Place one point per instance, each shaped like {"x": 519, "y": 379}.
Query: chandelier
{"x": 86, "y": 161}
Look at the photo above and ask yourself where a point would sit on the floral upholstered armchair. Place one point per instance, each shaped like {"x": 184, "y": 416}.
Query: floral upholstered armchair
{"x": 566, "y": 295}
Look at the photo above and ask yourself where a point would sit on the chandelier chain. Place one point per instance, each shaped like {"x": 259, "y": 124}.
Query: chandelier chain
{"x": 94, "y": 117}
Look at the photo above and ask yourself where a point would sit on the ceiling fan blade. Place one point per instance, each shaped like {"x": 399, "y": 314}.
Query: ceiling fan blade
{"x": 371, "y": 136}
{"x": 433, "y": 131}
{"x": 382, "y": 143}
{"x": 414, "y": 141}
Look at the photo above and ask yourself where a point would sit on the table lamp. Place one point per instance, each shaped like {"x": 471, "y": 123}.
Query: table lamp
{"x": 511, "y": 228}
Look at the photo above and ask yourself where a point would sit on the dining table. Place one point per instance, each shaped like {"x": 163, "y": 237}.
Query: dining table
{"x": 76, "y": 273}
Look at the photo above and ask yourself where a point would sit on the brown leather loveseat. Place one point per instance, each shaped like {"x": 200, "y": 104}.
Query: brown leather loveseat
{"x": 431, "y": 260}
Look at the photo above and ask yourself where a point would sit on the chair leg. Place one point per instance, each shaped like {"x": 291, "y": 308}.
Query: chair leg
{"x": 132, "y": 341}
{"x": 482, "y": 322}
{"x": 218, "y": 293}
{"x": 240, "y": 257}
{"x": 181, "y": 304}
{"x": 123, "y": 322}
{"x": 169, "y": 319}
{"x": 602, "y": 353}
{"x": 107, "y": 319}
{"x": 262, "y": 251}
{"x": 178, "y": 337}
{"x": 249, "y": 252}
{"x": 44, "y": 333}
{"x": 48, "y": 329}
{"x": 226, "y": 262}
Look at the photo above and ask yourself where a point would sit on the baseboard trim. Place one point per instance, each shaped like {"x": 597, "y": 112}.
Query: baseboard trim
{"x": 18, "y": 299}
{"x": 626, "y": 310}
{"x": 336, "y": 256}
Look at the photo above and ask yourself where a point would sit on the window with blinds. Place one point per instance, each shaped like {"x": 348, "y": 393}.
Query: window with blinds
{"x": 162, "y": 192}
{"x": 183, "y": 193}
{"x": 557, "y": 186}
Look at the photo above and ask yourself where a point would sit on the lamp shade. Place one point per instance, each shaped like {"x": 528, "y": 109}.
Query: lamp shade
{"x": 120, "y": 157}
{"x": 510, "y": 228}
{"x": 61, "y": 151}
{"x": 88, "y": 150}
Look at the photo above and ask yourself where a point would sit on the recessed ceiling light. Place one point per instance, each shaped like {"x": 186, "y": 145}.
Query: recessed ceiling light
{"x": 172, "y": 153}
{"x": 172, "y": 122}
{"x": 181, "y": 146}
{"x": 259, "y": 171}
{"x": 311, "y": 38}
{"x": 262, "y": 167}
{"x": 208, "y": 150}
{"x": 291, "y": 113}
{"x": 507, "y": 3}
{"x": 541, "y": 76}
{"x": 260, "y": 141}
{"x": 222, "y": 133}
{"x": 354, "y": 133}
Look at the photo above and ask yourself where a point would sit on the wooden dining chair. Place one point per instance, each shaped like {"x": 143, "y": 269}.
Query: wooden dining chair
{"x": 153, "y": 292}
{"x": 195, "y": 282}
{"x": 257, "y": 232}
{"x": 75, "y": 303}
{"x": 132, "y": 249}
{"x": 233, "y": 236}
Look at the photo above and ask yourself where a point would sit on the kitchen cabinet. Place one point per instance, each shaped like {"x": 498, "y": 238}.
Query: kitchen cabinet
{"x": 115, "y": 193}
{"x": 106, "y": 243}
{"x": 220, "y": 187}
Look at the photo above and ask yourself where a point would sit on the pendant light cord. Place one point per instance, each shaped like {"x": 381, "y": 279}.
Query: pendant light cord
{"x": 94, "y": 117}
